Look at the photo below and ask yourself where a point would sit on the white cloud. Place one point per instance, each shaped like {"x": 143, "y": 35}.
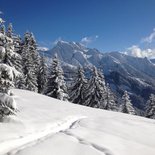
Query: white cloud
{"x": 1, "y": 12}
{"x": 150, "y": 38}
{"x": 88, "y": 40}
{"x": 136, "y": 51}
{"x": 144, "y": 49}
{"x": 43, "y": 48}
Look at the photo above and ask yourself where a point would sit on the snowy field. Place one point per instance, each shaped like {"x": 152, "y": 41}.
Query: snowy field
{"x": 46, "y": 126}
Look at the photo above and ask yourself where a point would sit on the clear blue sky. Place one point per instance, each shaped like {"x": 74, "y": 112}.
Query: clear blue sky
{"x": 118, "y": 24}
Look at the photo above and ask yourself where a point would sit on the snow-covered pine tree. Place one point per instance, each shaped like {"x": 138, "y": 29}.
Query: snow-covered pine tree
{"x": 18, "y": 44}
{"x": 109, "y": 101}
{"x": 42, "y": 75}
{"x": 95, "y": 91}
{"x": 10, "y": 30}
{"x": 56, "y": 86}
{"x": 17, "y": 41}
{"x": 126, "y": 106}
{"x": 13, "y": 59}
{"x": 34, "y": 52}
{"x": 7, "y": 75}
{"x": 29, "y": 63}
{"x": 7, "y": 61}
{"x": 78, "y": 88}
{"x": 2, "y": 28}
{"x": 10, "y": 57}
{"x": 18, "y": 64}
{"x": 150, "y": 107}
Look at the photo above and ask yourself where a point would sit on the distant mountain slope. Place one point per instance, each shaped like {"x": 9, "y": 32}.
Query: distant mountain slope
{"x": 123, "y": 72}
{"x": 153, "y": 61}
{"x": 46, "y": 126}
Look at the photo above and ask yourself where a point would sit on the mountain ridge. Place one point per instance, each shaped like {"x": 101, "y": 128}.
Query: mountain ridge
{"x": 122, "y": 72}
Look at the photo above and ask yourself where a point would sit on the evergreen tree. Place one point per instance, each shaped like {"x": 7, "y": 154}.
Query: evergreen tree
{"x": 42, "y": 75}
{"x": 78, "y": 89}
{"x": 109, "y": 101}
{"x": 11, "y": 58}
{"x": 17, "y": 63}
{"x": 95, "y": 92}
{"x": 56, "y": 86}
{"x": 2, "y": 28}
{"x": 150, "y": 107}
{"x": 18, "y": 44}
{"x": 8, "y": 72}
{"x": 29, "y": 63}
{"x": 126, "y": 106}
{"x": 10, "y": 31}
{"x": 34, "y": 52}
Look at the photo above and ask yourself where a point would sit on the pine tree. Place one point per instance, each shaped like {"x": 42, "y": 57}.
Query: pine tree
{"x": 42, "y": 75}
{"x": 29, "y": 62}
{"x": 2, "y": 28}
{"x": 109, "y": 101}
{"x": 150, "y": 107}
{"x": 8, "y": 72}
{"x": 126, "y": 106}
{"x": 77, "y": 91}
{"x": 95, "y": 91}
{"x": 56, "y": 86}
{"x": 19, "y": 83}
{"x": 17, "y": 63}
{"x": 34, "y": 52}
{"x": 10, "y": 31}
{"x": 11, "y": 57}
{"x": 18, "y": 44}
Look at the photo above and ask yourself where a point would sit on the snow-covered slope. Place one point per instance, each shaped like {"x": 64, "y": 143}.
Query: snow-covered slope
{"x": 46, "y": 126}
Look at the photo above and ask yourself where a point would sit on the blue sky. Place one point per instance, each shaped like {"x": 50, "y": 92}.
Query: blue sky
{"x": 108, "y": 25}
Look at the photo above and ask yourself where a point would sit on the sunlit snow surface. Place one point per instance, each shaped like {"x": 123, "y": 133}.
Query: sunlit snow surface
{"x": 45, "y": 126}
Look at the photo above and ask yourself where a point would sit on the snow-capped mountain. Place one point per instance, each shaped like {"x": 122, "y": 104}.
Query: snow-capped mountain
{"x": 123, "y": 72}
{"x": 46, "y": 126}
{"x": 70, "y": 52}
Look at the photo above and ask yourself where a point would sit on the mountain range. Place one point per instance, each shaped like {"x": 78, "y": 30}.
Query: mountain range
{"x": 122, "y": 72}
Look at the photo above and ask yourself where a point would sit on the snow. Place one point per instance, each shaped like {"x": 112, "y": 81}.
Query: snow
{"x": 10, "y": 70}
{"x": 46, "y": 126}
{"x": 2, "y": 36}
{"x": 1, "y": 20}
{"x": 141, "y": 81}
{"x": 43, "y": 49}
{"x": 7, "y": 105}
{"x": 2, "y": 49}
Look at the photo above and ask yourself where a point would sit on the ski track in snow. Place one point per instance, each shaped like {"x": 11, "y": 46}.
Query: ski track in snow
{"x": 13, "y": 146}
{"x": 101, "y": 149}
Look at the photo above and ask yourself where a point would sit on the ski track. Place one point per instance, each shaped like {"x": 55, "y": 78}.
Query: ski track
{"x": 101, "y": 149}
{"x": 13, "y": 146}
{"x": 16, "y": 145}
